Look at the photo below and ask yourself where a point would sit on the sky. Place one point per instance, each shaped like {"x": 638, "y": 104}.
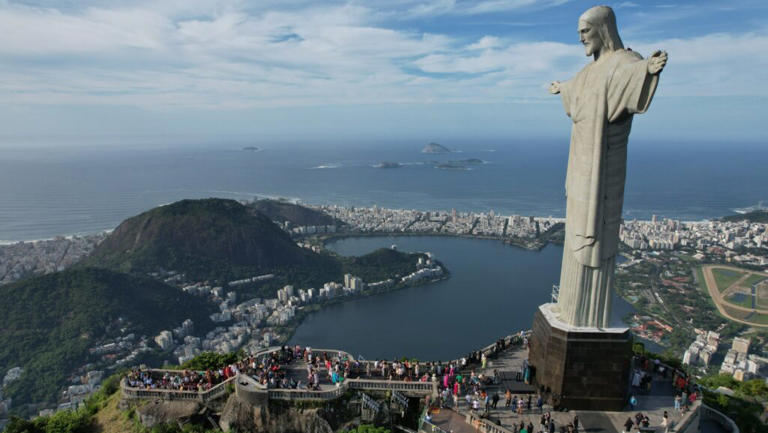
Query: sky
{"x": 362, "y": 70}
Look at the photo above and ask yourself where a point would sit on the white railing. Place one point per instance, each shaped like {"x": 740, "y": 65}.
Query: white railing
{"x": 173, "y": 394}
{"x": 483, "y": 425}
{"x": 302, "y": 394}
{"x": 428, "y": 427}
{"x": 422, "y": 388}
{"x": 419, "y": 388}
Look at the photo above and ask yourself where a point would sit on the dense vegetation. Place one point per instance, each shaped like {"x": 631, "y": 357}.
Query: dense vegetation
{"x": 66, "y": 421}
{"x": 375, "y": 266}
{"x": 295, "y": 214}
{"x": 83, "y": 420}
{"x": 744, "y": 407}
{"x": 212, "y": 360}
{"x": 380, "y": 264}
{"x": 369, "y": 428}
{"x": 207, "y": 239}
{"x": 47, "y": 323}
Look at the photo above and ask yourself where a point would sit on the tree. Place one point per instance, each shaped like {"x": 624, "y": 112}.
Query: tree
{"x": 369, "y": 428}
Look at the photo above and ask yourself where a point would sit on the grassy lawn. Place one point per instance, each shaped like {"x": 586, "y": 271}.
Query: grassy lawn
{"x": 724, "y": 278}
{"x": 738, "y": 314}
{"x": 753, "y": 279}
{"x": 740, "y": 299}
{"x": 762, "y": 297}
{"x": 756, "y": 318}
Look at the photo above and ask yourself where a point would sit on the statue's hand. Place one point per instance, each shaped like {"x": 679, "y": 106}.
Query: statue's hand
{"x": 657, "y": 61}
{"x": 554, "y": 87}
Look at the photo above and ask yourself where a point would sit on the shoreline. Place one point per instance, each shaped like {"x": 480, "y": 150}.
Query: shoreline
{"x": 97, "y": 232}
{"x": 539, "y": 245}
{"x": 68, "y": 237}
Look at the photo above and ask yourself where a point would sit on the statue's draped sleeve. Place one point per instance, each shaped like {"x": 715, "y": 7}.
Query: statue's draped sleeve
{"x": 631, "y": 88}
{"x": 565, "y": 97}
{"x": 604, "y": 92}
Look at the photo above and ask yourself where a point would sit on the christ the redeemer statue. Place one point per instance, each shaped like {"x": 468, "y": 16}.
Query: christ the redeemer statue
{"x": 601, "y": 100}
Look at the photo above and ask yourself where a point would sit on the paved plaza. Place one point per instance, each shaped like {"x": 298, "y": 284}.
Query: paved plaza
{"x": 510, "y": 361}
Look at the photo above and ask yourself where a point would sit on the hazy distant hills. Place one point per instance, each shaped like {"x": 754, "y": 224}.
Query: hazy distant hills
{"x": 210, "y": 238}
{"x": 755, "y": 216}
{"x": 295, "y": 214}
{"x": 47, "y": 323}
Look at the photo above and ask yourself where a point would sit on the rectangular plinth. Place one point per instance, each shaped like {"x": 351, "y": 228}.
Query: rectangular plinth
{"x": 582, "y": 368}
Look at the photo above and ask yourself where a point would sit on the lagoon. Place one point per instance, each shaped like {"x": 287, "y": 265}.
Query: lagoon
{"x": 493, "y": 291}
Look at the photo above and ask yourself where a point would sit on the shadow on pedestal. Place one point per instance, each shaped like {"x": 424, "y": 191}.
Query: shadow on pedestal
{"x": 583, "y": 368}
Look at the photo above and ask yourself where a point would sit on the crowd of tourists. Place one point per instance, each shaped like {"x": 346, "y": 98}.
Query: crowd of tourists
{"x": 184, "y": 380}
{"x": 270, "y": 370}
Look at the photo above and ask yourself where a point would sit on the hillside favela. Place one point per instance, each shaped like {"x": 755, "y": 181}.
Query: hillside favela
{"x": 349, "y": 216}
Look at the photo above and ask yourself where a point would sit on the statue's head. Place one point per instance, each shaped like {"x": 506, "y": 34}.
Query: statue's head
{"x": 598, "y": 31}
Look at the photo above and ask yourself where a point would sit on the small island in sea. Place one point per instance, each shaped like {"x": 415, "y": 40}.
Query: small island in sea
{"x": 435, "y": 148}
{"x": 451, "y": 165}
{"x": 388, "y": 164}
{"x": 468, "y": 161}
{"x": 252, "y": 148}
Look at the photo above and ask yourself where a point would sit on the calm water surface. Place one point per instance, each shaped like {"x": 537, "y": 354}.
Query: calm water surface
{"x": 61, "y": 191}
{"x": 493, "y": 291}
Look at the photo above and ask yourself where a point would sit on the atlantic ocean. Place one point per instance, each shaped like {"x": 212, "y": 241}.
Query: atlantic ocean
{"x": 48, "y": 191}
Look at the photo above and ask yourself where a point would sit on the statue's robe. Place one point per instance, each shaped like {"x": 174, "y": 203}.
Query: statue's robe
{"x": 601, "y": 101}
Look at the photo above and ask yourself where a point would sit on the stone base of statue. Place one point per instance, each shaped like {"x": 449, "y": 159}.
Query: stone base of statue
{"x": 582, "y": 368}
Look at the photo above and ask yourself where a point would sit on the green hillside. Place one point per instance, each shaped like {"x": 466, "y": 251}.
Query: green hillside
{"x": 207, "y": 239}
{"x": 756, "y": 216}
{"x": 47, "y": 323}
{"x": 381, "y": 264}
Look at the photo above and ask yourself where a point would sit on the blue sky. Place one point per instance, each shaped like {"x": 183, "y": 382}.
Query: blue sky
{"x": 325, "y": 71}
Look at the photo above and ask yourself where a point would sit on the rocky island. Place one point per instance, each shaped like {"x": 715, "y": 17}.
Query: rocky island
{"x": 388, "y": 164}
{"x": 435, "y": 148}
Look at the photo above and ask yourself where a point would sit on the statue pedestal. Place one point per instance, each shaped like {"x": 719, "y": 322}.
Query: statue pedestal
{"x": 583, "y": 368}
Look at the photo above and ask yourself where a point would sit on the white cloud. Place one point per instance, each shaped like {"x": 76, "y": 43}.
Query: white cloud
{"x": 485, "y": 42}
{"x": 226, "y": 54}
{"x": 473, "y": 7}
{"x": 714, "y": 65}
{"x": 31, "y": 31}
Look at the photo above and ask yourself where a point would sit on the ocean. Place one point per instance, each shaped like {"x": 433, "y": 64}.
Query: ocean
{"x": 70, "y": 190}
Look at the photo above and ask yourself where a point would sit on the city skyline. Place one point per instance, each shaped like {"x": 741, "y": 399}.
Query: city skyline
{"x": 346, "y": 70}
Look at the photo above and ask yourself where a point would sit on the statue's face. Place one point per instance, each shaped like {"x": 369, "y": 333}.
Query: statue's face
{"x": 589, "y": 36}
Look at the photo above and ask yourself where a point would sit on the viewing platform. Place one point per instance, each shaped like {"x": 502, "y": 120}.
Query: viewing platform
{"x": 651, "y": 402}
{"x": 253, "y": 391}
{"x": 504, "y": 369}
